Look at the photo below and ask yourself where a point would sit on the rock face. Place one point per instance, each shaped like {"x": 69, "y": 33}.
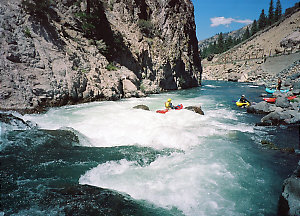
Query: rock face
{"x": 69, "y": 52}
{"x": 289, "y": 203}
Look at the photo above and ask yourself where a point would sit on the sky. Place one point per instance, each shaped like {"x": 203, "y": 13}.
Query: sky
{"x": 215, "y": 16}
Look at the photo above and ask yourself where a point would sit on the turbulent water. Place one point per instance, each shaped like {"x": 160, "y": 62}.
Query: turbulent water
{"x": 106, "y": 158}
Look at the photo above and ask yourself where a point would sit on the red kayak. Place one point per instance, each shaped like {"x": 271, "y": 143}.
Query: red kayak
{"x": 179, "y": 107}
{"x": 273, "y": 100}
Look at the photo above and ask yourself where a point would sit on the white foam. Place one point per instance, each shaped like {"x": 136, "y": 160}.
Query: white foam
{"x": 197, "y": 181}
{"x": 167, "y": 182}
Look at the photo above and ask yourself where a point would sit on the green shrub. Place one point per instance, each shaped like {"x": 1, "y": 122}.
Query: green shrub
{"x": 111, "y": 67}
{"x": 27, "y": 32}
{"x": 101, "y": 46}
{"x": 181, "y": 81}
{"x": 146, "y": 27}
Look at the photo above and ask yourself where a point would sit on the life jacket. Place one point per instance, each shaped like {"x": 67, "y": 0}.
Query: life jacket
{"x": 168, "y": 105}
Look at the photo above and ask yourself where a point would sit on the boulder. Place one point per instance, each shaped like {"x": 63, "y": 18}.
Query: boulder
{"x": 143, "y": 107}
{"x": 234, "y": 77}
{"x": 294, "y": 120}
{"x": 210, "y": 57}
{"x": 261, "y": 108}
{"x": 296, "y": 91}
{"x": 282, "y": 102}
{"x": 276, "y": 118}
{"x": 296, "y": 85}
{"x": 294, "y": 76}
{"x": 291, "y": 40}
{"x": 289, "y": 202}
{"x": 15, "y": 122}
{"x": 196, "y": 109}
{"x": 128, "y": 88}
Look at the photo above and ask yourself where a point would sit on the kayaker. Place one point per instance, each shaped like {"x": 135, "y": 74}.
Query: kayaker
{"x": 278, "y": 84}
{"x": 169, "y": 104}
{"x": 243, "y": 99}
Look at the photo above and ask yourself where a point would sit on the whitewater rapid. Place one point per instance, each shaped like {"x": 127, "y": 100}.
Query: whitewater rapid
{"x": 211, "y": 168}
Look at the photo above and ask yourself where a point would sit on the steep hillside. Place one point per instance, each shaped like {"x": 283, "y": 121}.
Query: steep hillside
{"x": 250, "y": 60}
{"x": 234, "y": 34}
{"x": 64, "y": 52}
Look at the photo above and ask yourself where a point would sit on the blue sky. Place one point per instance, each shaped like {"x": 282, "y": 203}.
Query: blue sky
{"x": 215, "y": 16}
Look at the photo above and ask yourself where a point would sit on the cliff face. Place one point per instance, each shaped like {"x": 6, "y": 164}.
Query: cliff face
{"x": 66, "y": 51}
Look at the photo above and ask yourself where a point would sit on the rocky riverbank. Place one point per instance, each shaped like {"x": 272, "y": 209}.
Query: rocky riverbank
{"x": 55, "y": 53}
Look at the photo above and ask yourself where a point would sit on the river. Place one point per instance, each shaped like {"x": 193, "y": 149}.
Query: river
{"x": 145, "y": 163}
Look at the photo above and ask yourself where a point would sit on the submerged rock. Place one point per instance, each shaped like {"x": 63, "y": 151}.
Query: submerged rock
{"x": 143, "y": 107}
{"x": 196, "y": 109}
{"x": 15, "y": 122}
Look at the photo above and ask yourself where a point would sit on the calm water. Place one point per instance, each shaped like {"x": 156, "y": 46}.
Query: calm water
{"x": 105, "y": 158}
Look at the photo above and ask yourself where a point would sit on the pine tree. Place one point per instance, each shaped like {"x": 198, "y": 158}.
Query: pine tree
{"x": 228, "y": 43}
{"x": 220, "y": 47}
{"x": 278, "y": 11}
{"x": 254, "y": 28}
{"x": 271, "y": 13}
{"x": 262, "y": 20}
{"x": 246, "y": 35}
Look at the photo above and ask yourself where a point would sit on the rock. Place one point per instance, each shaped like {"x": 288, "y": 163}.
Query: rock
{"x": 15, "y": 122}
{"x": 143, "y": 107}
{"x": 196, "y": 109}
{"x": 291, "y": 40}
{"x": 269, "y": 144}
{"x": 294, "y": 120}
{"x": 54, "y": 62}
{"x": 261, "y": 108}
{"x": 129, "y": 88}
{"x": 289, "y": 202}
{"x": 234, "y": 77}
{"x": 296, "y": 91}
{"x": 210, "y": 57}
{"x": 282, "y": 102}
{"x": 287, "y": 82}
{"x": 294, "y": 76}
{"x": 276, "y": 118}
{"x": 296, "y": 85}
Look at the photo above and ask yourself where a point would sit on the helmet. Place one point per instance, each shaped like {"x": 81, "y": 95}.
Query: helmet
{"x": 169, "y": 100}
{"x": 243, "y": 95}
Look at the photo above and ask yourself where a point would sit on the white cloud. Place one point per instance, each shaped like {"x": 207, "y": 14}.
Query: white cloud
{"x": 216, "y": 21}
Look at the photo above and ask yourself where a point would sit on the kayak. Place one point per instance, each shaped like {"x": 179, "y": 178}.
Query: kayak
{"x": 273, "y": 100}
{"x": 178, "y": 107}
{"x": 271, "y": 91}
{"x": 240, "y": 104}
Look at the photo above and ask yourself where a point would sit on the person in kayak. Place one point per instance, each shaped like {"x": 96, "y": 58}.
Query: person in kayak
{"x": 169, "y": 104}
{"x": 244, "y": 100}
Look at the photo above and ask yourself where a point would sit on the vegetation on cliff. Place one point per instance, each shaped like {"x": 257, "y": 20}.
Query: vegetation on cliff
{"x": 223, "y": 44}
{"x": 64, "y": 52}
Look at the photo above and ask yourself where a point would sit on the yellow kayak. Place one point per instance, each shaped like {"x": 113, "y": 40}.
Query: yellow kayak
{"x": 239, "y": 104}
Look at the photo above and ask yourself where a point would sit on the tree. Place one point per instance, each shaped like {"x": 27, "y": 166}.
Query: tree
{"x": 278, "y": 11}
{"x": 262, "y": 20}
{"x": 254, "y": 28}
{"x": 271, "y": 13}
{"x": 246, "y": 35}
{"x": 220, "y": 47}
{"x": 88, "y": 7}
{"x": 228, "y": 43}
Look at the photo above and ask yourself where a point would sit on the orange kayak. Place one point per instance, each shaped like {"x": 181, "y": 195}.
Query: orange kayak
{"x": 273, "y": 100}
